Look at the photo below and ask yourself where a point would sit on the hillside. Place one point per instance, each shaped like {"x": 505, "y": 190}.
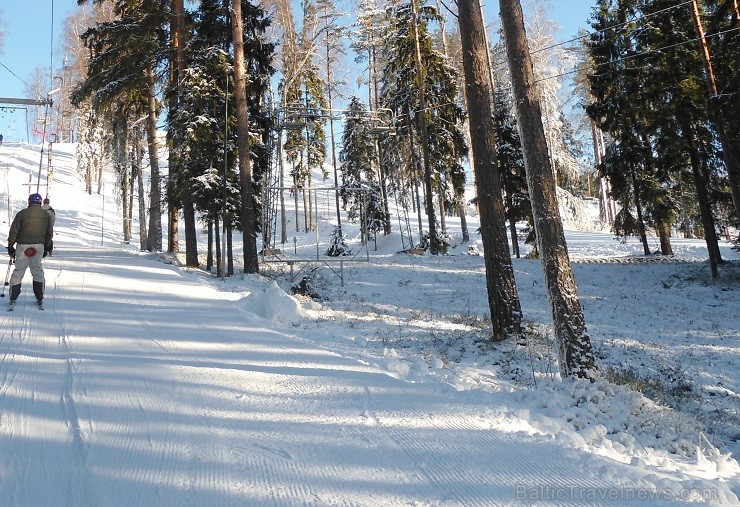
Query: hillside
{"x": 144, "y": 383}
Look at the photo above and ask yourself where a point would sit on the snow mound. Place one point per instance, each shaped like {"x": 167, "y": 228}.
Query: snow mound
{"x": 274, "y": 304}
{"x": 623, "y": 420}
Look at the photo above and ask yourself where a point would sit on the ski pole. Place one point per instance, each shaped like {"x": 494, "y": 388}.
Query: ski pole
{"x": 7, "y": 275}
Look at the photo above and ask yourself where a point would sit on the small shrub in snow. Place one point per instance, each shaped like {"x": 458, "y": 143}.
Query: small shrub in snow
{"x": 337, "y": 245}
{"x": 304, "y": 288}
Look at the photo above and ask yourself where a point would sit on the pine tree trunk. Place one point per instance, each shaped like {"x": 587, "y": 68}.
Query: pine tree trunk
{"x": 242, "y": 127}
{"x": 306, "y": 204}
{"x": 463, "y": 218}
{"x": 177, "y": 29}
{"x": 503, "y": 296}
{"x": 229, "y": 251}
{"x": 442, "y": 211}
{"x": 574, "y": 344}
{"x": 220, "y": 266}
{"x": 705, "y": 208}
{"x": 209, "y": 254}
{"x": 664, "y": 233}
{"x": 154, "y": 239}
{"x": 381, "y": 171}
{"x": 191, "y": 237}
{"x": 640, "y": 220}
{"x": 139, "y": 151}
{"x": 131, "y": 182}
{"x": 122, "y": 169}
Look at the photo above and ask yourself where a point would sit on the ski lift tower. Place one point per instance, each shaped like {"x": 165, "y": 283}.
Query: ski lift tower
{"x": 14, "y": 103}
{"x": 297, "y": 117}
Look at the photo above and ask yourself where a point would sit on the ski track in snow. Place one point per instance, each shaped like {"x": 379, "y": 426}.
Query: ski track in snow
{"x": 37, "y": 413}
{"x": 141, "y": 385}
{"x": 230, "y": 414}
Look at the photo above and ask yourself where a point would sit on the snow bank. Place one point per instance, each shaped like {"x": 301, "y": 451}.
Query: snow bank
{"x": 271, "y": 302}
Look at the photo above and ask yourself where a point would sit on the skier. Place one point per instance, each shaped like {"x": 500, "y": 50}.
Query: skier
{"x": 30, "y": 233}
{"x": 53, "y": 215}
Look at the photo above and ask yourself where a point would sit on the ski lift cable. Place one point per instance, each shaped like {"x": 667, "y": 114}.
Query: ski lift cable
{"x": 642, "y": 53}
{"x": 611, "y": 27}
{"x": 588, "y": 34}
{"x": 21, "y": 80}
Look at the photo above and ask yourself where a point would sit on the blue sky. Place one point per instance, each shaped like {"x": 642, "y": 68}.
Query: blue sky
{"x": 31, "y": 39}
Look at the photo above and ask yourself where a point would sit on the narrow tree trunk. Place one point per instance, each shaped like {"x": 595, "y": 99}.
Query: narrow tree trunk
{"x": 664, "y": 233}
{"x": 310, "y": 192}
{"x": 242, "y": 127}
{"x": 295, "y": 200}
{"x": 512, "y": 225}
{"x": 640, "y": 220}
{"x": 503, "y": 296}
{"x": 88, "y": 177}
{"x": 220, "y": 266}
{"x": 381, "y": 171}
{"x": 434, "y": 243}
{"x": 331, "y": 134}
{"x": 154, "y": 239}
{"x": 707, "y": 219}
{"x": 463, "y": 218}
{"x": 124, "y": 173}
{"x": 606, "y": 211}
{"x": 574, "y": 344}
{"x": 417, "y": 205}
{"x": 442, "y": 211}
{"x": 139, "y": 154}
{"x": 306, "y": 204}
{"x": 229, "y": 251}
{"x": 100, "y": 179}
{"x": 132, "y": 182}
{"x": 209, "y": 254}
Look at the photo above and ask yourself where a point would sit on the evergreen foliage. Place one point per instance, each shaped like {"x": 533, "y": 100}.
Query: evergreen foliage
{"x": 510, "y": 162}
{"x": 402, "y": 153}
{"x": 198, "y": 123}
{"x": 337, "y": 246}
{"x": 357, "y": 155}
{"x": 650, "y": 95}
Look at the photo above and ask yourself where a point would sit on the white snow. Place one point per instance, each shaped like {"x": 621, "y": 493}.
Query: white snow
{"x": 144, "y": 383}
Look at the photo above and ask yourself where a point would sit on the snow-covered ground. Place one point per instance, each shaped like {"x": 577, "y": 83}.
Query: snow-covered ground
{"x": 144, "y": 383}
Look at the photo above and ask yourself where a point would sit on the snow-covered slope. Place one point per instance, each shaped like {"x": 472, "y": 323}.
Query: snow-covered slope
{"x": 147, "y": 384}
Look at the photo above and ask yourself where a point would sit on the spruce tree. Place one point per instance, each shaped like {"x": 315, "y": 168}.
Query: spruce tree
{"x": 433, "y": 142}
{"x": 127, "y": 58}
{"x": 357, "y": 156}
{"x": 510, "y": 162}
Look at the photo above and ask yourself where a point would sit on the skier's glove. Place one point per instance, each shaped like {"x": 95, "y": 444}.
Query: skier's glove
{"x": 11, "y": 251}
{"x": 47, "y": 250}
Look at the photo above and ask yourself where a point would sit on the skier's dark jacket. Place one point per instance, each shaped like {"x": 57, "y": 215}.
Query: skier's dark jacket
{"x": 31, "y": 226}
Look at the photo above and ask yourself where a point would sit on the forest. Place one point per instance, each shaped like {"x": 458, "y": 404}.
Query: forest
{"x": 212, "y": 113}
